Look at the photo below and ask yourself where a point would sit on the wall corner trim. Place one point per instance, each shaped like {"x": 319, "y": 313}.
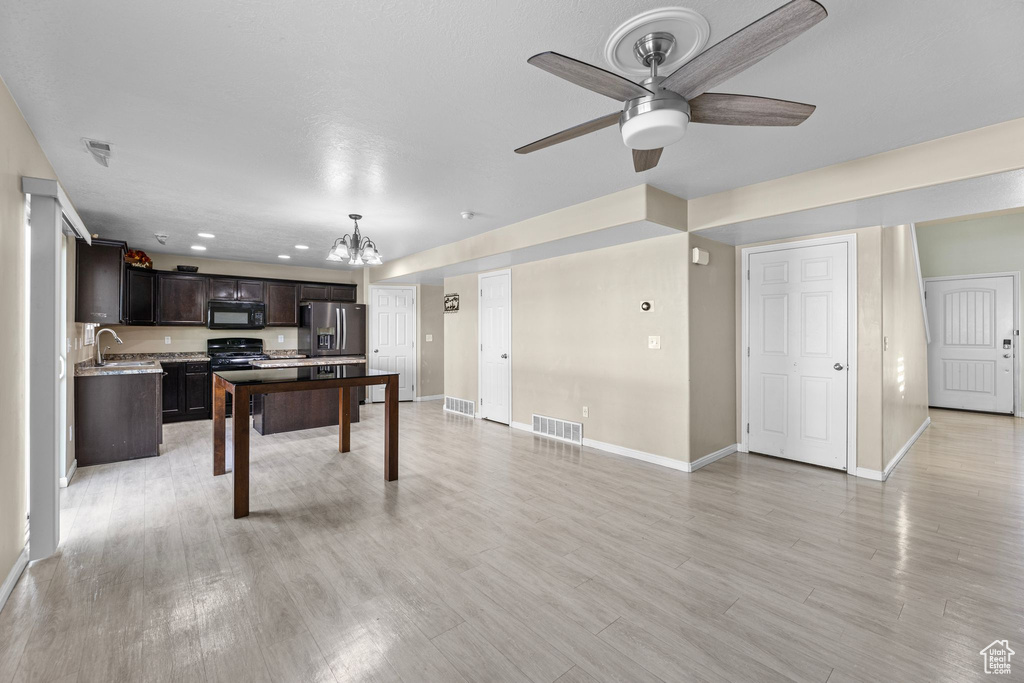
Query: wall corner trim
{"x": 13, "y": 576}
{"x": 65, "y": 480}
{"x": 906, "y": 447}
{"x": 712, "y": 457}
{"x": 865, "y": 473}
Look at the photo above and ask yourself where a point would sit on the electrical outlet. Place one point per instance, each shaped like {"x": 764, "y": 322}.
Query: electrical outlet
{"x": 430, "y": 337}
{"x": 280, "y": 338}
{"x": 654, "y": 342}
{"x": 586, "y": 411}
{"x": 167, "y": 340}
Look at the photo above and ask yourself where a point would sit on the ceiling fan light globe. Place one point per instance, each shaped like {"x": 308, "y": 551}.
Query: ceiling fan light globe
{"x": 655, "y": 129}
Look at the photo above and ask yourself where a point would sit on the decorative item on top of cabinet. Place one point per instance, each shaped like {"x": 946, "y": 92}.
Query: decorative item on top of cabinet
{"x": 282, "y": 304}
{"x": 100, "y": 281}
{"x": 140, "y": 308}
{"x": 181, "y": 299}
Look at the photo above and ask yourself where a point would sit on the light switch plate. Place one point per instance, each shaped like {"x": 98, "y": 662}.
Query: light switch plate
{"x": 167, "y": 340}
{"x": 430, "y": 337}
{"x": 654, "y": 342}
{"x": 280, "y": 338}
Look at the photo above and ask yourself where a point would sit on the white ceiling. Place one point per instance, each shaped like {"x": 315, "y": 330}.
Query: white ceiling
{"x": 266, "y": 123}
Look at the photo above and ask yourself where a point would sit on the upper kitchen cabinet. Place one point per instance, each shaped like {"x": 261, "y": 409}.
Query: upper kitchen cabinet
{"x": 100, "y": 281}
{"x": 282, "y": 304}
{"x": 140, "y": 307}
{"x": 313, "y": 292}
{"x": 234, "y": 289}
{"x": 343, "y": 293}
{"x": 181, "y": 299}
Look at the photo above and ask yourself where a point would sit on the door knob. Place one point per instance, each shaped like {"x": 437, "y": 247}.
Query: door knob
{"x": 1007, "y": 355}
{"x": 504, "y": 355}
{"x": 375, "y": 350}
{"x": 838, "y": 366}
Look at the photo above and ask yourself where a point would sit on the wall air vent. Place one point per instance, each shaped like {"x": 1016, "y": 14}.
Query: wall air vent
{"x": 100, "y": 151}
{"x": 563, "y": 430}
{"x": 459, "y": 406}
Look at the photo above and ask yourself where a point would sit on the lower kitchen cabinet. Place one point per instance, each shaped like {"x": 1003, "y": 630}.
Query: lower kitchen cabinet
{"x": 187, "y": 391}
{"x": 117, "y": 417}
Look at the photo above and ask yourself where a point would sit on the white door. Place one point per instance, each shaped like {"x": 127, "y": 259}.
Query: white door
{"x": 798, "y": 347}
{"x": 970, "y": 358}
{"x": 393, "y": 338}
{"x": 495, "y": 346}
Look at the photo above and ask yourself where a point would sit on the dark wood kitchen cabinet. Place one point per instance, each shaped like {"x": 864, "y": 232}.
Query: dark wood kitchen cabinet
{"x": 233, "y": 289}
{"x": 181, "y": 299}
{"x": 187, "y": 389}
{"x": 314, "y": 292}
{"x": 100, "y": 281}
{"x": 343, "y": 293}
{"x": 282, "y": 304}
{"x": 117, "y": 417}
{"x": 140, "y": 306}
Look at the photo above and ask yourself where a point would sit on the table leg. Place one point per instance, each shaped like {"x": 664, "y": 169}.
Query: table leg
{"x": 391, "y": 429}
{"x": 219, "y": 426}
{"x": 344, "y": 419}
{"x": 240, "y": 450}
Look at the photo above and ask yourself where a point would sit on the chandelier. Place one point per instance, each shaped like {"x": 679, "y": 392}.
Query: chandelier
{"x": 355, "y": 248}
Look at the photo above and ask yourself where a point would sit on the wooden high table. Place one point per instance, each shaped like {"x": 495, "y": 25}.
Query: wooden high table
{"x": 242, "y": 384}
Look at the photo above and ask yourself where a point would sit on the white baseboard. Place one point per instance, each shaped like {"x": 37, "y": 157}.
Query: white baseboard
{"x": 711, "y": 457}
{"x": 742, "y": 448}
{"x": 884, "y": 474}
{"x": 13, "y": 576}
{"x": 435, "y": 397}
{"x": 906, "y": 447}
{"x": 653, "y": 458}
{"x": 64, "y": 481}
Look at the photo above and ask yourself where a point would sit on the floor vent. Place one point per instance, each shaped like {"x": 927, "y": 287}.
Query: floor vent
{"x": 460, "y": 406}
{"x": 563, "y": 430}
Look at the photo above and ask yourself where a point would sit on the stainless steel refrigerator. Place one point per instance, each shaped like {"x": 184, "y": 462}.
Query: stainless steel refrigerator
{"x": 329, "y": 328}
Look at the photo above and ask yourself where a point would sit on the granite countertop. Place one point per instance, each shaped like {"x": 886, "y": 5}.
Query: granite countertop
{"x": 196, "y": 356}
{"x": 284, "y": 353}
{"x": 306, "y": 362}
{"x": 89, "y": 368}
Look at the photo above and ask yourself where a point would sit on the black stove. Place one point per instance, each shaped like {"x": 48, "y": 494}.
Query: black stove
{"x": 234, "y": 353}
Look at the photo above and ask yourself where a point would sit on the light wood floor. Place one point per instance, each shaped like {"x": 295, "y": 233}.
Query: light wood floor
{"x": 500, "y": 556}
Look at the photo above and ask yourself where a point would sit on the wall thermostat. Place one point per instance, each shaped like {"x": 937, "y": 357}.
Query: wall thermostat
{"x": 646, "y": 305}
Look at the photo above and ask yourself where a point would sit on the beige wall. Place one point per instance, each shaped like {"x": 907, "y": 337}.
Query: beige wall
{"x": 20, "y": 155}
{"x": 460, "y": 339}
{"x": 430, "y": 354}
{"x": 904, "y": 348}
{"x": 991, "y": 244}
{"x": 869, "y": 341}
{"x": 579, "y": 338}
{"x": 712, "y": 295}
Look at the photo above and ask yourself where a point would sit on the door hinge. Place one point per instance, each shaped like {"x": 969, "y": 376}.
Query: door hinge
{"x": 481, "y": 400}
{"x": 748, "y": 273}
{"x": 481, "y": 292}
{"x": 748, "y": 352}
{"x": 481, "y": 347}
{"x": 748, "y": 428}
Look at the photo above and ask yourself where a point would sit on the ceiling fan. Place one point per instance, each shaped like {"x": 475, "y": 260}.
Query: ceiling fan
{"x": 656, "y": 110}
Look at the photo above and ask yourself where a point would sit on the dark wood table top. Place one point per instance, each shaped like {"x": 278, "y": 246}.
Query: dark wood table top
{"x": 328, "y": 375}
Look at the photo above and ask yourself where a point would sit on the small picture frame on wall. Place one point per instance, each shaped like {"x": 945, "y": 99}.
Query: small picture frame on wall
{"x": 451, "y": 303}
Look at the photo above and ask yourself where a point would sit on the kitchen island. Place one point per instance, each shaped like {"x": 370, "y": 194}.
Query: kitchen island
{"x": 289, "y": 412}
{"x": 242, "y": 384}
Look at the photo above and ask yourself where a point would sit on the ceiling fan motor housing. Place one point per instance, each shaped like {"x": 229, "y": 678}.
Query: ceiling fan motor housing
{"x": 654, "y": 121}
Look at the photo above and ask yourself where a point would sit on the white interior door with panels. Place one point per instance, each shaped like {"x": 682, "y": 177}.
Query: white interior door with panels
{"x": 797, "y": 333}
{"x": 495, "y": 346}
{"x": 972, "y": 354}
{"x": 393, "y": 338}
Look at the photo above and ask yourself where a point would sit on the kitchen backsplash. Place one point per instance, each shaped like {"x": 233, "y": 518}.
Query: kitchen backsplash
{"x": 140, "y": 339}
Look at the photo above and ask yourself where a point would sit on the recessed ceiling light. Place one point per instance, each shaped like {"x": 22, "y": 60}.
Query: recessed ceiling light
{"x": 206, "y": 235}
{"x": 198, "y": 247}
{"x": 283, "y": 256}
{"x": 301, "y": 246}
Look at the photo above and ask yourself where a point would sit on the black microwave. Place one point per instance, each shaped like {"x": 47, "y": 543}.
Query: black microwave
{"x": 236, "y": 315}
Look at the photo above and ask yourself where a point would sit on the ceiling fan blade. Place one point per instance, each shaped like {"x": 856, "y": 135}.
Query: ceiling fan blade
{"x": 646, "y": 159}
{"x": 570, "y": 133}
{"x": 744, "y": 48}
{"x": 588, "y": 76}
{"x": 747, "y": 110}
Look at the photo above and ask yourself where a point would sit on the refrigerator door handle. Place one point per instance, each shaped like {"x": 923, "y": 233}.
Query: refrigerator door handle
{"x": 344, "y": 327}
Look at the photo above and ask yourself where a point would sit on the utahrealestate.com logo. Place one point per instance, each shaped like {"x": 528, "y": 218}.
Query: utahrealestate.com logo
{"x": 997, "y": 657}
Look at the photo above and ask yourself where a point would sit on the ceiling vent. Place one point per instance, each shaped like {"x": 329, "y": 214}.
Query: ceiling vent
{"x": 100, "y": 151}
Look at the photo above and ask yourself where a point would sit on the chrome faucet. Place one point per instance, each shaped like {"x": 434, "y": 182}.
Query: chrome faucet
{"x": 99, "y": 349}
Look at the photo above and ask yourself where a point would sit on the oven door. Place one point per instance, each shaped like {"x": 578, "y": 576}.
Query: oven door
{"x": 236, "y": 315}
